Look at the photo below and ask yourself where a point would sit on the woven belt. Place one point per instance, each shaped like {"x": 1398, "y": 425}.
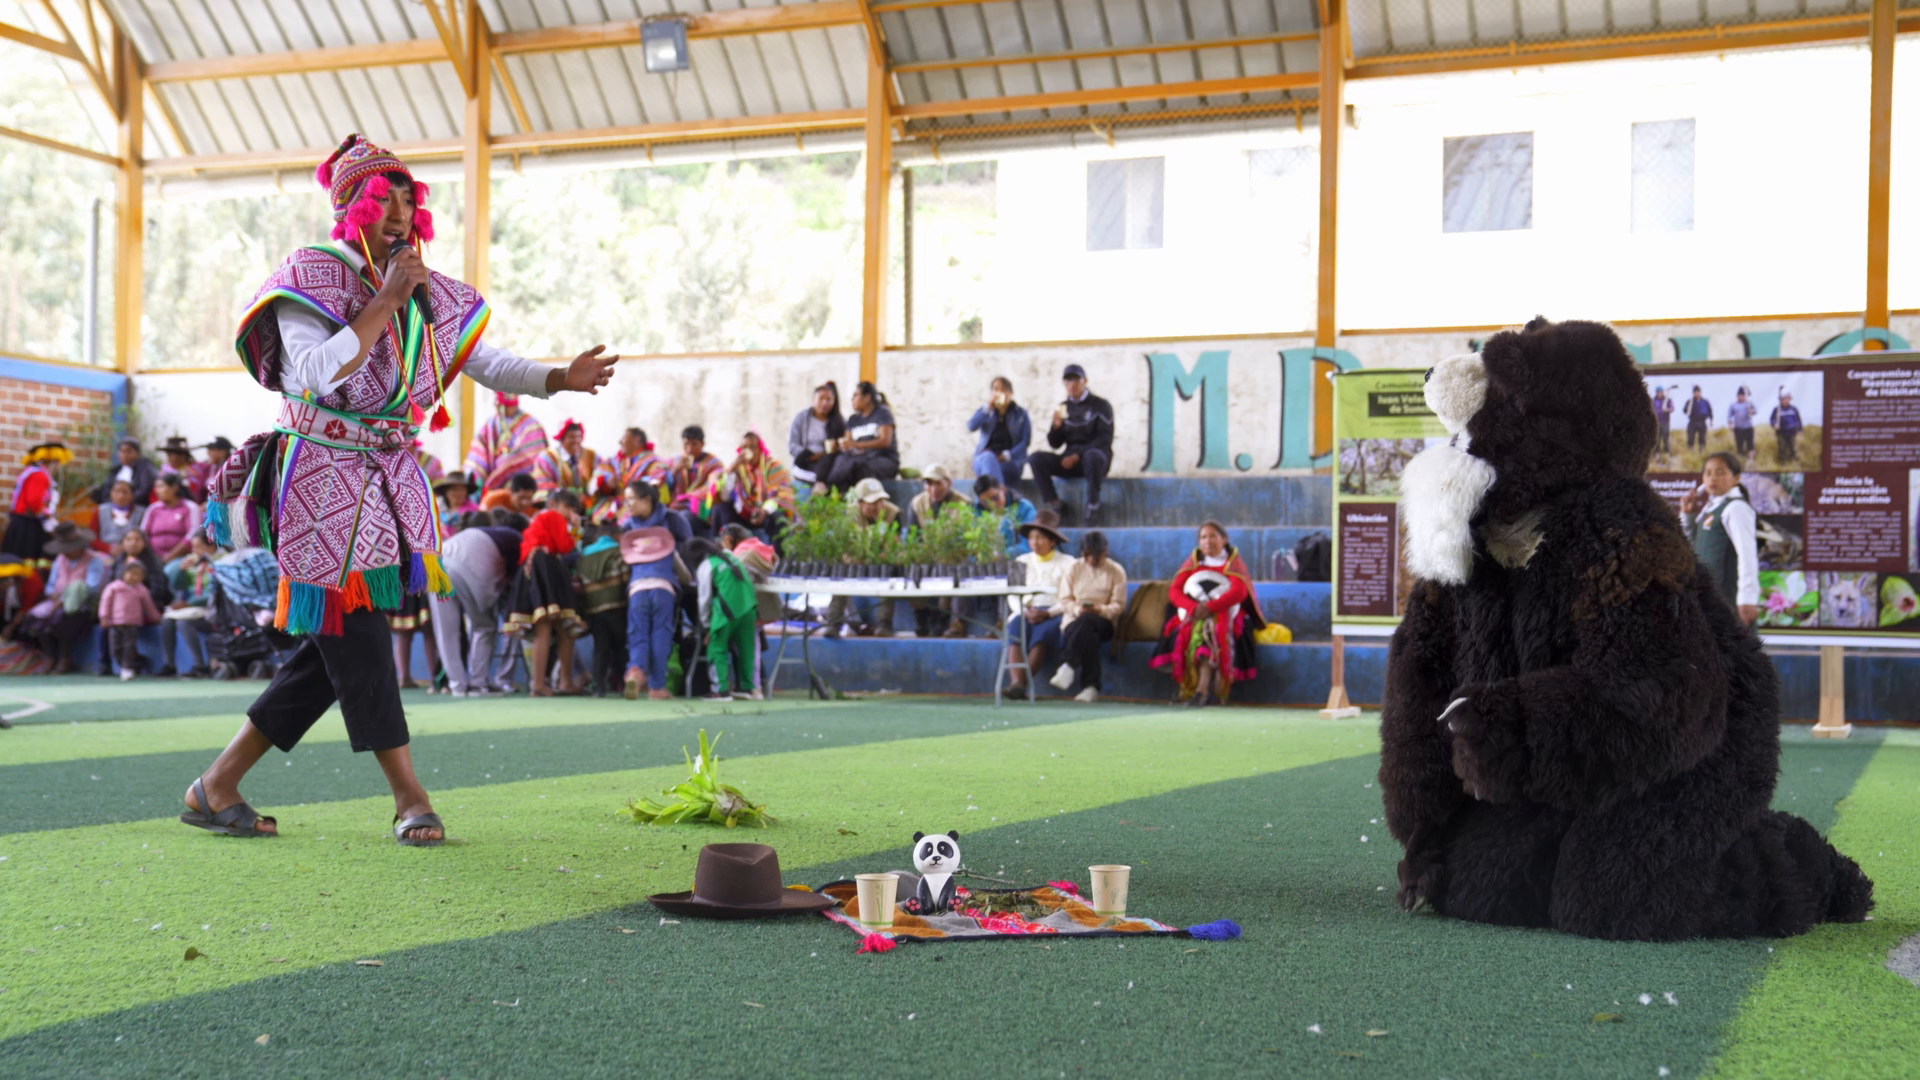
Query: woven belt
{"x": 344, "y": 430}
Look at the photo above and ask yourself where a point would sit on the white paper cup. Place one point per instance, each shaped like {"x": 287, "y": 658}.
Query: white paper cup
{"x": 876, "y": 899}
{"x": 1109, "y": 888}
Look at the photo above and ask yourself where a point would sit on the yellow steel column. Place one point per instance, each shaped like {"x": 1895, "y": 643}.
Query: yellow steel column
{"x": 1326, "y": 323}
{"x": 1880, "y": 164}
{"x": 477, "y": 157}
{"x": 130, "y": 275}
{"x": 873, "y": 321}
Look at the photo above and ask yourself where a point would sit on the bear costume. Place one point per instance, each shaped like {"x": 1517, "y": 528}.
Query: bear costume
{"x": 1579, "y": 732}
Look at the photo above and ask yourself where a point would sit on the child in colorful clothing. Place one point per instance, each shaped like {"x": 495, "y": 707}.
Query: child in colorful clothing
{"x": 600, "y": 577}
{"x": 730, "y": 610}
{"x": 125, "y": 607}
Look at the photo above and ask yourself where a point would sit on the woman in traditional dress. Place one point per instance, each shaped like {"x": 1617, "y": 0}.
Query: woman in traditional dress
{"x": 68, "y": 605}
{"x": 505, "y": 446}
{"x": 1207, "y": 644}
{"x": 334, "y": 489}
{"x": 756, "y": 491}
{"x": 543, "y": 594}
{"x": 36, "y": 496}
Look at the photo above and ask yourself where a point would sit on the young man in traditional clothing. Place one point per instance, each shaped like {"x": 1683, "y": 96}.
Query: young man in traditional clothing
{"x": 569, "y": 465}
{"x": 505, "y": 446}
{"x": 636, "y": 462}
{"x": 334, "y": 490}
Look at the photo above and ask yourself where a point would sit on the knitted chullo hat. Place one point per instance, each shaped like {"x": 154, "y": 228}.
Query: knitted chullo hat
{"x": 356, "y": 178}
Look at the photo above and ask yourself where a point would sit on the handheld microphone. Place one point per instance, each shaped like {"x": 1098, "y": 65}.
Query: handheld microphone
{"x": 421, "y": 297}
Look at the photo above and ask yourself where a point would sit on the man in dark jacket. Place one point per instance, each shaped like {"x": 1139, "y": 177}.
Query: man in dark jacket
{"x": 135, "y": 469}
{"x": 1082, "y": 438}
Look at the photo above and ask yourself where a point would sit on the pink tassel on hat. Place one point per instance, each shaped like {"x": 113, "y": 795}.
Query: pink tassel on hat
{"x": 365, "y": 212}
{"x": 420, "y": 191}
{"x": 423, "y": 223}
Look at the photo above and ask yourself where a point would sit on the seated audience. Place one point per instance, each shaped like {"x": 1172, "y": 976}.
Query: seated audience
{"x": 1013, "y": 508}
{"x": 1005, "y": 434}
{"x": 693, "y": 470}
{"x": 656, "y": 576}
{"x": 135, "y": 546}
{"x": 1082, "y": 441}
{"x": 455, "y": 497}
{"x": 755, "y": 492}
{"x": 71, "y": 600}
{"x": 635, "y": 460}
{"x": 807, "y": 438}
{"x": 518, "y": 496}
{"x": 543, "y": 597}
{"x": 1094, "y": 596}
{"x": 218, "y": 451}
{"x": 125, "y": 607}
{"x": 869, "y": 450}
{"x": 117, "y": 515}
{"x": 937, "y": 497}
{"x": 479, "y": 560}
{"x": 36, "y": 499}
{"x": 180, "y": 463}
{"x": 135, "y": 469}
{"x": 170, "y": 519}
{"x": 1036, "y": 619}
{"x": 730, "y": 610}
{"x": 600, "y": 580}
{"x": 567, "y": 463}
{"x": 20, "y": 588}
{"x": 1208, "y": 641}
{"x": 871, "y": 509}
{"x": 191, "y": 581}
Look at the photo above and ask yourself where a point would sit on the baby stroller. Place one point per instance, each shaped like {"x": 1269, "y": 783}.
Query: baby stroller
{"x": 237, "y": 645}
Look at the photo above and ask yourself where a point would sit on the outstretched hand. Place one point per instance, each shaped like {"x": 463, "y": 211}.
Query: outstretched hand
{"x": 589, "y": 371}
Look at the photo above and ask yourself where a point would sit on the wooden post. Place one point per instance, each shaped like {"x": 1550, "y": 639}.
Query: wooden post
{"x": 1880, "y": 166}
{"x": 1833, "y": 694}
{"x": 1333, "y": 112}
{"x": 477, "y": 157}
{"x": 873, "y": 319}
{"x": 129, "y": 279}
{"x": 1338, "y": 707}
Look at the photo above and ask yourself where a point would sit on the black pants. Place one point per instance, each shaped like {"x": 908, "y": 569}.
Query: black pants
{"x": 820, "y": 465}
{"x": 848, "y": 470}
{"x": 1743, "y": 440}
{"x": 125, "y": 644}
{"x": 1666, "y": 436}
{"x": 609, "y": 630}
{"x": 1697, "y": 429}
{"x": 1783, "y": 449}
{"x": 1082, "y": 648}
{"x": 355, "y": 668}
{"x": 1093, "y": 465}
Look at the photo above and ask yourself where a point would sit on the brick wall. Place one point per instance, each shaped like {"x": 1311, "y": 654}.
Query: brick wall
{"x": 35, "y": 412}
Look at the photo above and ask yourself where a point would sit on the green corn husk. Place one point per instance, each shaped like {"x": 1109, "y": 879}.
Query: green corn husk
{"x": 700, "y": 798}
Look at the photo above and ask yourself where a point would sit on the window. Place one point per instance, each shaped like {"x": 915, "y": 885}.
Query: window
{"x": 1487, "y": 183}
{"x": 1663, "y": 176}
{"x": 1125, "y": 203}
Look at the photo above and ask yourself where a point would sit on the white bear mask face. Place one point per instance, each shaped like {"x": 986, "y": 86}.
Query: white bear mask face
{"x": 1442, "y": 487}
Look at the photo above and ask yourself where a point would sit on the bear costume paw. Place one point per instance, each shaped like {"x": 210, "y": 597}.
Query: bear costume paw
{"x": 1490, "y": 758}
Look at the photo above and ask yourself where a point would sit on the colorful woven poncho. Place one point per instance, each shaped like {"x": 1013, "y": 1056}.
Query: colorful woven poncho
{"x": 335, "y": 490}
{"x": 503, "y": 449}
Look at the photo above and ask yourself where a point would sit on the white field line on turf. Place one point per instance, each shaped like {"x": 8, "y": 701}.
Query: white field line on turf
{"x": 33, "y": 707}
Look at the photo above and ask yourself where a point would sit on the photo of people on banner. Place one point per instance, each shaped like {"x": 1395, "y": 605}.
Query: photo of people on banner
{"x": 1811, "y": 468}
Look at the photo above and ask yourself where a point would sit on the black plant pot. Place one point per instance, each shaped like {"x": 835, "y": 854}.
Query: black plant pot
{"x": 1017, "y": 574}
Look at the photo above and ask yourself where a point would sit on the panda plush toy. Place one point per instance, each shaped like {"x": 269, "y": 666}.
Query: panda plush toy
{"x": 1579, "y": 732}
{"x": 935, "y": 857}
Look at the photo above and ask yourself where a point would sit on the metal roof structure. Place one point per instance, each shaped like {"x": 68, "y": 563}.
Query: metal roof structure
{"x": 261, "y": 84}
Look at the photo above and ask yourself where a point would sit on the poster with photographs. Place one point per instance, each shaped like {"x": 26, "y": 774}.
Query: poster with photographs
{"x": 1826, "y": 451}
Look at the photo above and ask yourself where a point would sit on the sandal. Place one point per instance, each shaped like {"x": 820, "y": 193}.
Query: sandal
{"x": 418, "y": 821}
{"x": 236, "y": 820}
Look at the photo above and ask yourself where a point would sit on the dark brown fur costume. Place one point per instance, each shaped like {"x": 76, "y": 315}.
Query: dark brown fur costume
{"x": 1611, "y": 771}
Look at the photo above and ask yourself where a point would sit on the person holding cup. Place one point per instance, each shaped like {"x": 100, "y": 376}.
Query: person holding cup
{"x": 1005, "y": 433}
{"x": 1082, "y": 440}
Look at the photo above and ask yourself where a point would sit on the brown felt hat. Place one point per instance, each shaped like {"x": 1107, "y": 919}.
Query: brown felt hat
{"x": 1047, "y": 522}
{"x": 68, "y": 538}
{"x": 740, "y": 881}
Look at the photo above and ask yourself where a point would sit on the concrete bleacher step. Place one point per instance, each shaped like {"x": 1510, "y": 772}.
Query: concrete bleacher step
{"x": 1155, "y": 553}
{"x": 1181, "y": 501}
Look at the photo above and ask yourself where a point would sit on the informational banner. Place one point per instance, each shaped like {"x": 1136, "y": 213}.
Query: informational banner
{"x": 1829, "y": 456}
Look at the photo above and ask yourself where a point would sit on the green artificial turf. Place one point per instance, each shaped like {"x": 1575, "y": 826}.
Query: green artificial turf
{"x": 508, "y": 953}
{"x": 128, "y": 787}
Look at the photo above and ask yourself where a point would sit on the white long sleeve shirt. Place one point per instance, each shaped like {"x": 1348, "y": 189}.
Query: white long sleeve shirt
{"x": 317, "y": 350}
{"x": 1737, "y": 517}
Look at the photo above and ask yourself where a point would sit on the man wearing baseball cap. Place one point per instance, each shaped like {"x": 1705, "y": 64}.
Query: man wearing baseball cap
{"x": 939, "y": 497}
{"x": 1082, "y": 441}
